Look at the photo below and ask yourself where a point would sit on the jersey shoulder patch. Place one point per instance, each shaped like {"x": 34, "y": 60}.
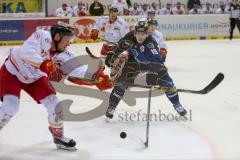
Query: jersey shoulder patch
{"x": 151, "y": 40}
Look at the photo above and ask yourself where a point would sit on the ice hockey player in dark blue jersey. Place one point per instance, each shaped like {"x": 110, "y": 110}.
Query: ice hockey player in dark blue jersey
{"x": 142, "y": 56}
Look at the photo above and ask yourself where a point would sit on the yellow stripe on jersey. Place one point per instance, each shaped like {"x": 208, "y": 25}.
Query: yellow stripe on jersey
{"x": 32, "y": 63}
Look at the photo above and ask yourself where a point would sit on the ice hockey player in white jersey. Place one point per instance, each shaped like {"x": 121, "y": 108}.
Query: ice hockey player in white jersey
{"x": 150, "y": 15}
{"x": 111, "y": 28}
{"x": 30, "y": 68}
{"x": 157, "y": 35}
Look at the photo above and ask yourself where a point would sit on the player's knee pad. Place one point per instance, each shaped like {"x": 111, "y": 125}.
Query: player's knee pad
{"x": 50, "y": 102}
{"x": 10, "y": 107}
{"x": 55, "y": 110}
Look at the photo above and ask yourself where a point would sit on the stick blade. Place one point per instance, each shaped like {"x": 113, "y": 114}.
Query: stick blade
{"x": 214, "y": 83}
{"x": 90, "y": 53}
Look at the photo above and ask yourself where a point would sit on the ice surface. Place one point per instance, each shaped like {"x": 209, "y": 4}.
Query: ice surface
{"x": 213, "y": 132}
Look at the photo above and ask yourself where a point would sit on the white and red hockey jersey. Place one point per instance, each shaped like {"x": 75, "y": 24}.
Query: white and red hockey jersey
{"x": 112, "y": 32}
{"x": 159, "y": 38}
{"x": 24, "y": 61}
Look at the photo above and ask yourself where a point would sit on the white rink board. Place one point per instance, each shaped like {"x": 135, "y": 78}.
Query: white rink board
{"x": 173, "y": 27}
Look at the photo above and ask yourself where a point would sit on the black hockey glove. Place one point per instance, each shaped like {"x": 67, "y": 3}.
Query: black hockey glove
{"x": 109, "y": 60}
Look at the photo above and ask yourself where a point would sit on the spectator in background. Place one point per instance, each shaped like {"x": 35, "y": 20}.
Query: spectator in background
{"x": 135, "y": 10}
{"x": 207, "y": 9}
{"x": 234, "y": 12}
{"x": 129, "y": 3}
{"x": 64, "y": 11}
{"x": 154, "y": 7}
{"x": 178, "y": 9}
{"x": 166, "y": 10}
{"x": 144, "y": 9}
{"x": 195, "y": 10}
{"x": 80, "y": 9}
{"x": 126, "y": 12}
{"x": 150, "y": 15}
{"x": 222, "y": 9}
{"x": 96, "y": 8}
{"x": 121, "y": 6}
{"x": 191, "y": 3}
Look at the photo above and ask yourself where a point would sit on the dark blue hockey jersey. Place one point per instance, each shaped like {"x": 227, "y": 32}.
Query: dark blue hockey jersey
{"x": 147, "y": 52}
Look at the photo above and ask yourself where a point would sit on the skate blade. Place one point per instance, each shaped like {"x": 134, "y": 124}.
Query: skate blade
{"x": 62, "y": 147}
{"x": 108, "y": 120}
{"x": 183, "y": 118}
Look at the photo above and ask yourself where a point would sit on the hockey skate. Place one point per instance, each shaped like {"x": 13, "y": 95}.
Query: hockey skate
{"x": 63, "y": 143}
{"x": 109, "y": 114}
{"x": 181, "y": 111}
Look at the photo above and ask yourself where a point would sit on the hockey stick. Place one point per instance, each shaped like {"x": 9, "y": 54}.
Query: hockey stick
{"x": 103, "y": 39}
{"x": 83, "y": 79}
{"x": 97, "y": 57}
{"x": 92, "y": 55}
{"x": 148, "y": 117}
{"x": 214, "y": 83}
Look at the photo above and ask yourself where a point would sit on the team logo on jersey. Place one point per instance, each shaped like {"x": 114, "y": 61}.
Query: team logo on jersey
{"x": 43, "y": 53}
{"x": 47, "y": 40}
{"x": 142, "y": 49}
{"x": 150, "y": 45}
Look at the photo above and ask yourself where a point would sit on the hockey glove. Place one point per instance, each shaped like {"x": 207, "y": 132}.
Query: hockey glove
{"x": 118, "y": 65}
{"x": 104, "y": 81}
{"x": 94, "y": 34}
{"x": 110, "y": 58}
{"x": 163, "y": 52}
{"x": 54, "y": 73}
